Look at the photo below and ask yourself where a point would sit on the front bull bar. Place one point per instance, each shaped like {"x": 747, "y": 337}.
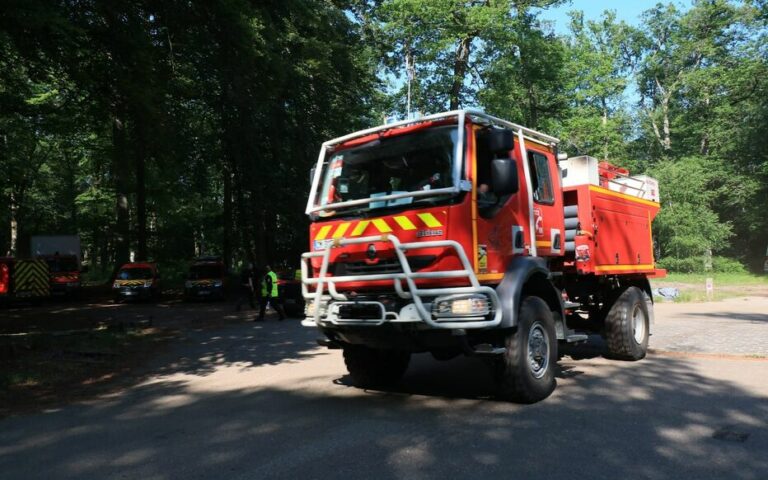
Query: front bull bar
{"x": 413, "y": 291}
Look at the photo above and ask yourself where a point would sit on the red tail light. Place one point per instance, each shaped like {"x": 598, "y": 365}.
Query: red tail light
{"x": 4, "y": 280}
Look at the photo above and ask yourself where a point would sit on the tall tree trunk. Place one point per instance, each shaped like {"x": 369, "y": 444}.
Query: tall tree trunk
{"x": 122, "y": 227}
{"x": 460, "y": 69}
{"x": 667, "y": 143}
{"x": 226, "y": 243}
{"x": 14, "y": 224}
{"x": 141, "y": 196}
{"x": 605, "y": 129}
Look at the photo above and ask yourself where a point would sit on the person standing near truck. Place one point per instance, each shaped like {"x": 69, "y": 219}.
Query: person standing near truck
{"x": 269, "y": 294}
{"x": 248, "y": 284}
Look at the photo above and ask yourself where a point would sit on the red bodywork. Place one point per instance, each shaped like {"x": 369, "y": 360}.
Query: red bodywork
{"x": 615, "y": 232}
{"x": 64, "y": 272}
{"x": 615, "y": 228}
{"x": 137, "y": 265}
{"x": 5, "y": 276}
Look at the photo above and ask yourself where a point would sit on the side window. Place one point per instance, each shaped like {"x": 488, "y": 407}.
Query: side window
{"x": 540, "y": 178}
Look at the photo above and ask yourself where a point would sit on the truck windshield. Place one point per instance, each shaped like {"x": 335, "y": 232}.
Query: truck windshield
{"x": 202, "y": 272}
{"x": 134, "y": 274}
{"x": 62, "y": 264}
{"x": 420, "y": 162}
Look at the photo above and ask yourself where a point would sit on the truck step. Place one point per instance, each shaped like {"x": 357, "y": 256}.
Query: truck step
{"x": 576, "y": 337}
{"x": 488, "y": 349}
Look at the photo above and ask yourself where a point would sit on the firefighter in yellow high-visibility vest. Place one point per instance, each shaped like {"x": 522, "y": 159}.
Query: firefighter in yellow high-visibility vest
{"x": 269, "y": 294}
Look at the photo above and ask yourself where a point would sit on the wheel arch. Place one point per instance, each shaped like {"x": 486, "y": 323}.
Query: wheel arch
{"x": 527, "y": 276}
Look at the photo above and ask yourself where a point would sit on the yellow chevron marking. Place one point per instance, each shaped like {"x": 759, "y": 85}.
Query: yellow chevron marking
{"x": 360, "y": 228}
{"x": 341, "y": 230}
{"x": 31, "y": 278}
{"x": 382, "y": 225}
{"x": 429, "y": 220}
{"x": 323, "y": 232}
{"x": 405, "y": 222}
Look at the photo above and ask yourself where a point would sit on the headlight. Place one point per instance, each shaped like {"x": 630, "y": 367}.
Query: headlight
{"x": 217, "y": 283}
{"x": 461, "y": 306}
{"x": 147, "y": 283}
{"x": 116, "y": 285}
{"x": 310, "y": 310}
{"x": 188, "y": 284}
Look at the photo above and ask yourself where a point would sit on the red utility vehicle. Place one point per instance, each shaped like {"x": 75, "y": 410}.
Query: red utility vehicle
{"x": 465, "y": 233}
{"x": 140, "y": 280}
{"x": 23, "y": 279}
{"x": 64, "y": 274}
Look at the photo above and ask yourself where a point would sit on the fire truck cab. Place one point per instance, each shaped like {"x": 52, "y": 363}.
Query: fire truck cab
{"x": 463, "y": 233}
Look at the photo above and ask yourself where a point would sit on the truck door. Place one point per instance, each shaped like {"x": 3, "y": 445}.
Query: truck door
{"x": 547, "y": 201}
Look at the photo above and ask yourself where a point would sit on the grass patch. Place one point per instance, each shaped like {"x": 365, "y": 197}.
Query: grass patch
{"x": 692, "y": 286}
{"x": 687, "y": 296}
{"x": 40, "y": 370}
{"x": 718, "y": 278}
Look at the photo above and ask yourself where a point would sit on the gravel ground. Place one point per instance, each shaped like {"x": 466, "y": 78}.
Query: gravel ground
{"x": 736, "y": 326}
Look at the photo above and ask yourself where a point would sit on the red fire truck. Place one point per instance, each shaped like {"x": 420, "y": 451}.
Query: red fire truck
{"x": 464, "y": 233}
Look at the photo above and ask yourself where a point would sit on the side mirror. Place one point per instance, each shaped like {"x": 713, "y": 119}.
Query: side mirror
{"x": 504, "y": 176}
{"x": 501, "y": 141}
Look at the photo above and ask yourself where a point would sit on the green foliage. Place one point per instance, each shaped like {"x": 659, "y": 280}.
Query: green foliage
{"x": 687, "y": 225}
{"x": 727, "y": 265}
{"x": 682, "y": 265}
{"x": 718, "y": 264}
{"x": 171, "y": 129}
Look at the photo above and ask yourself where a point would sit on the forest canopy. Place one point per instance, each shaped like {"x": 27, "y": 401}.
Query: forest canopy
{"x": 169, "y": 129}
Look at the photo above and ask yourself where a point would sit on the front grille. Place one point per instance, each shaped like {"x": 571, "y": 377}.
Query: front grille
{"x": 363, "y": 311}
{"x": 389, "y": 265}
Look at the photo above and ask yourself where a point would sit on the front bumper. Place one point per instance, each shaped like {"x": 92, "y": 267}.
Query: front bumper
{"x": 204, "y": 292}
{"x": 335, "y": 309}
{"x": 66, "y": 289}
{"x": 133, "y": 292}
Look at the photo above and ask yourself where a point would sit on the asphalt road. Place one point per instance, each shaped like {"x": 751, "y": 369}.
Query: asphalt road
{"x": 262, "y": 401}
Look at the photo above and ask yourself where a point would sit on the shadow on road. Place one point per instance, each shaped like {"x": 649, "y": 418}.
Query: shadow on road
{"x": 247, "y": 345}
{"x": 748, "y": 317}
{"x": 659, "y": 418}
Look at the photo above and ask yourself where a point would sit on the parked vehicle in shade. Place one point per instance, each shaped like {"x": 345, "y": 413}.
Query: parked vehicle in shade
{"x": 64, "y": 274}
{"x": 289, "y": 291}
{"x": 206, "y": 279}
{"x": 23, "y": 279}
{"x": 140, "y": 280}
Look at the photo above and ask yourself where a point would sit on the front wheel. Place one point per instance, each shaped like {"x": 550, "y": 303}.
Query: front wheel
{"x": 370, "y": 367}
{"x": 527, "y": 370}
{"x": 627, "y": 326}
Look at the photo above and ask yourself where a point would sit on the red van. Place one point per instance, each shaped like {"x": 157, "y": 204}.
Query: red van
{"x": 140, "y": 280}
{"x": 64, "y": 274}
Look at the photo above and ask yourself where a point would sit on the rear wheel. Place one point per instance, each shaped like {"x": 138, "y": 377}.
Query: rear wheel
{"x": 627, "y": 326}
{"x": 527, "y": 370}
{"x": 370, "y": 367}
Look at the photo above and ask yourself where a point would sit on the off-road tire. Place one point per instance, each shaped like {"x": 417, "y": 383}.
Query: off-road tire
{"x": 520, "y": 379}
{"x": 627, "y": 326}
{"x": 370, "y": 367}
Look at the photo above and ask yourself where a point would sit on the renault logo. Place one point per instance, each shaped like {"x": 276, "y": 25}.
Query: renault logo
{"x": 371, "y": 252}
